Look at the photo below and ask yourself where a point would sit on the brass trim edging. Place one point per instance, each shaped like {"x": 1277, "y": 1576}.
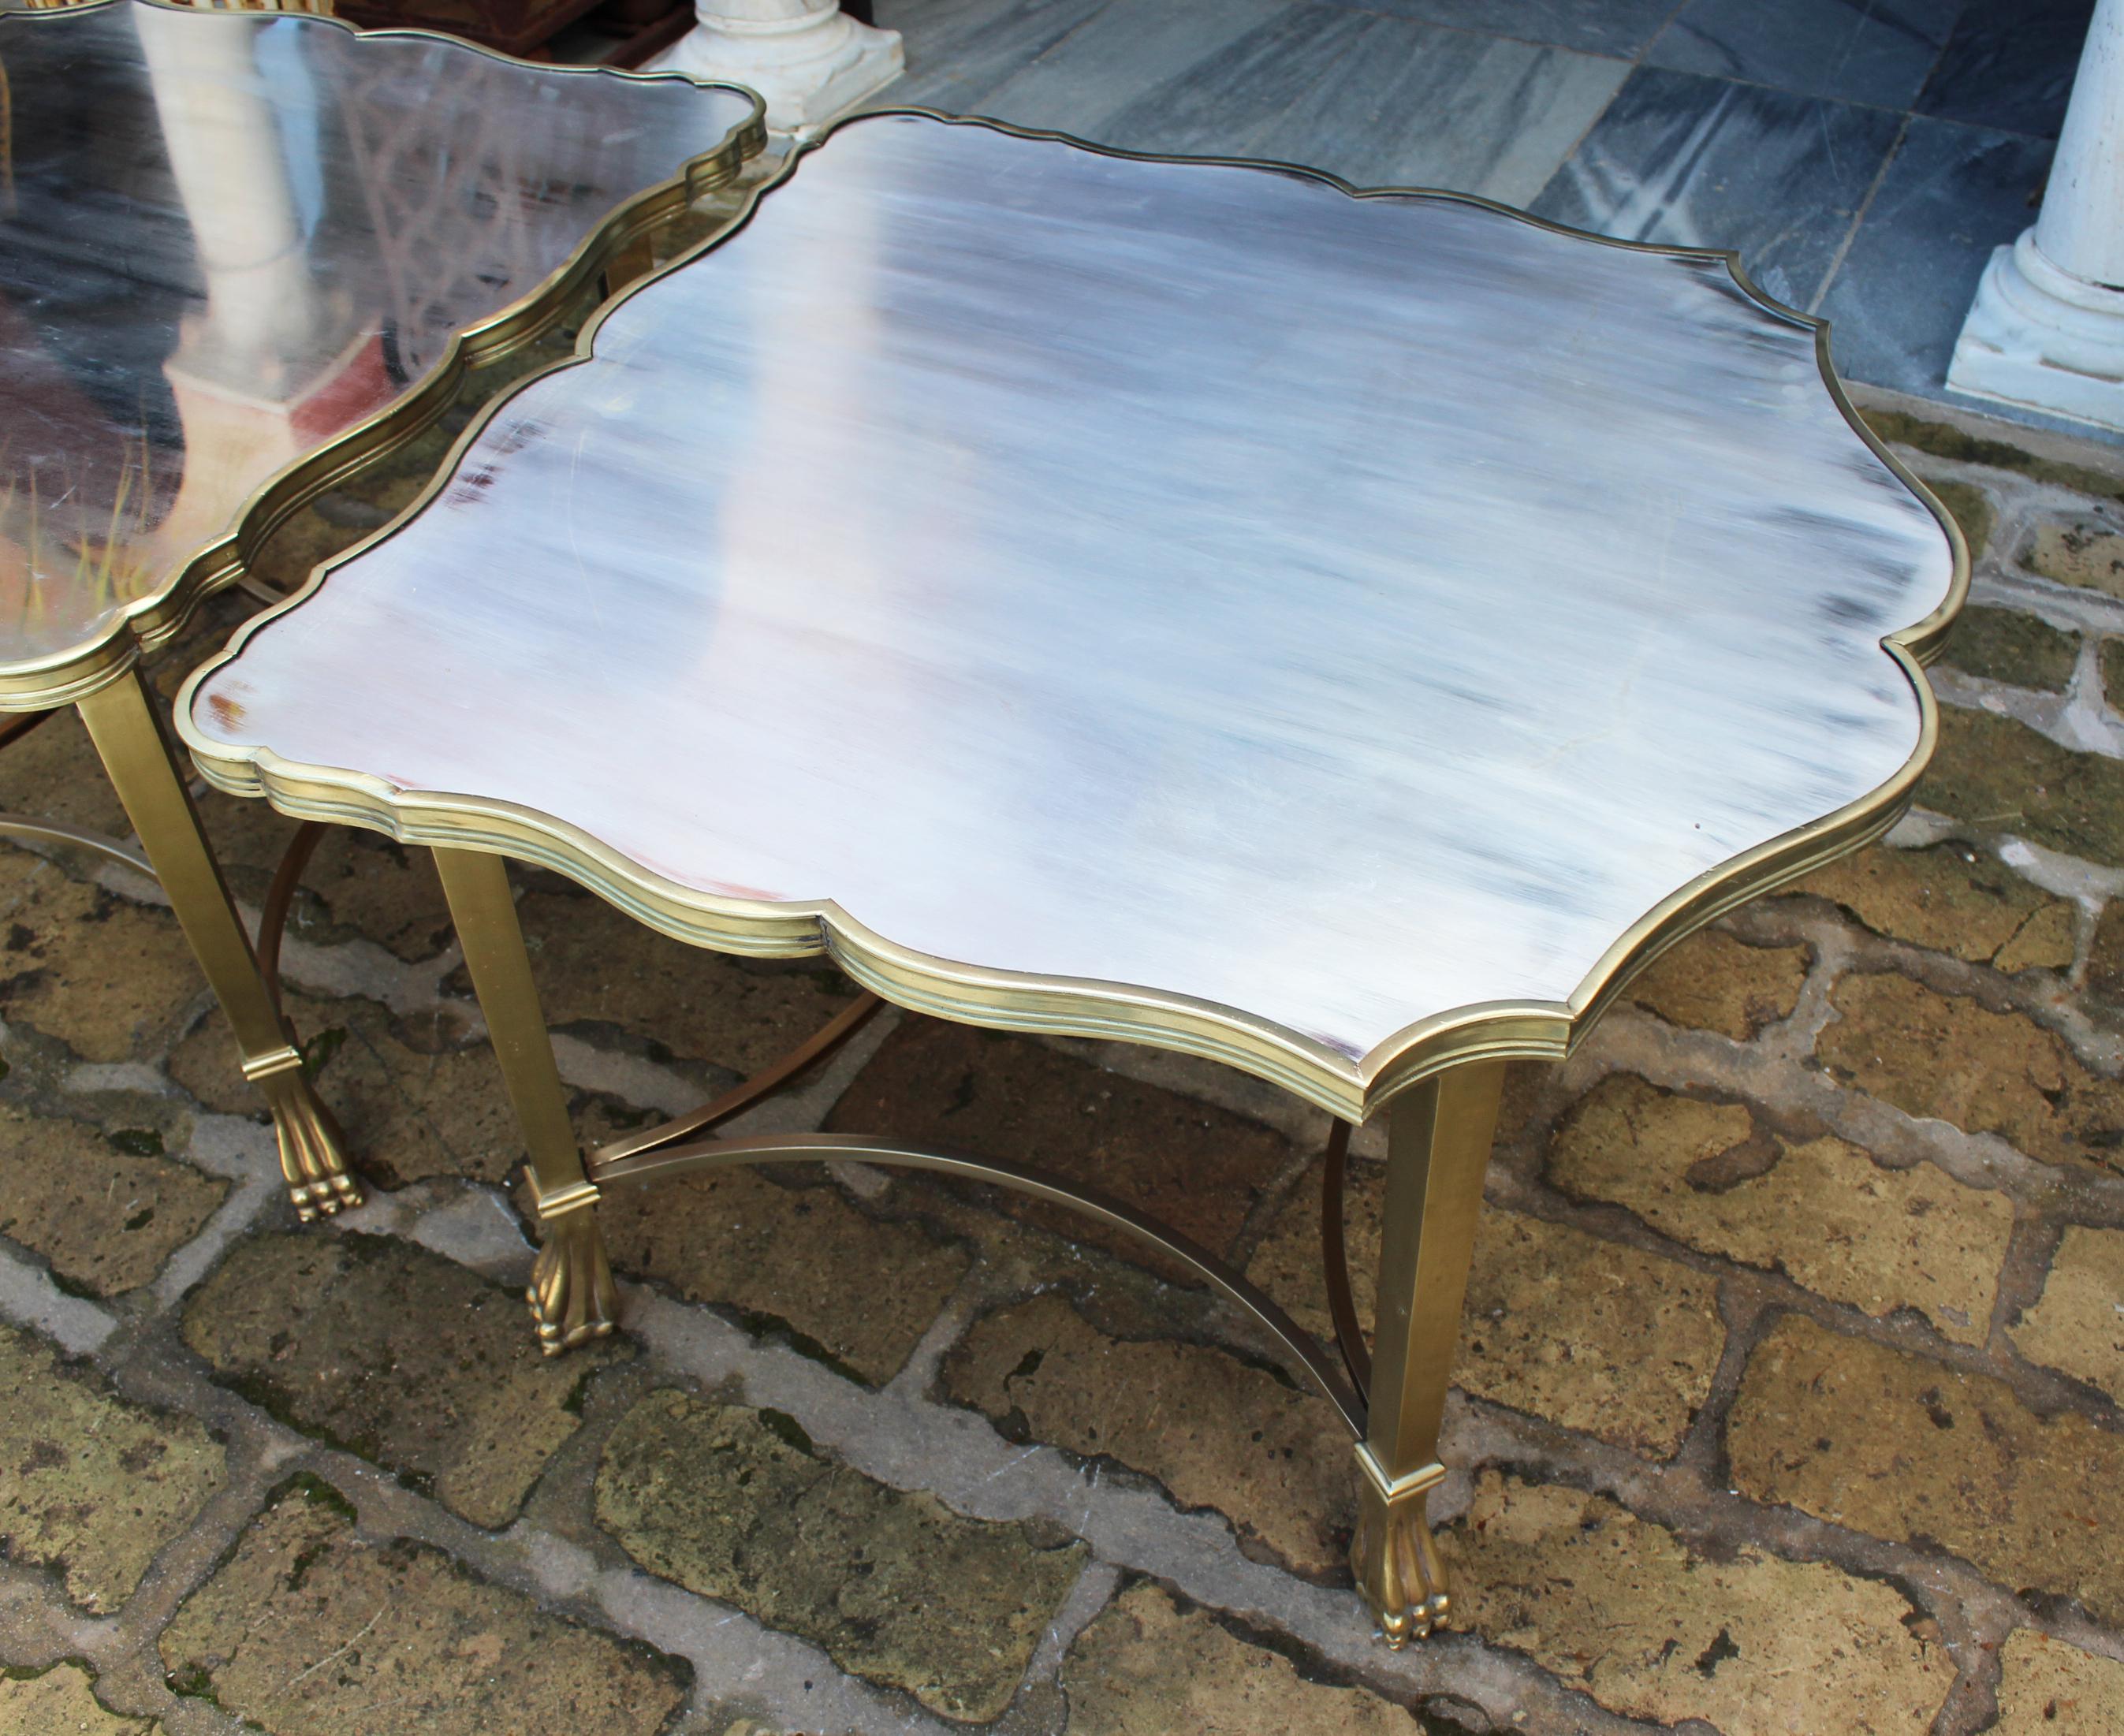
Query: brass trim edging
{"x": 147, "y": 622}
{"x": 1351, "y": 1087}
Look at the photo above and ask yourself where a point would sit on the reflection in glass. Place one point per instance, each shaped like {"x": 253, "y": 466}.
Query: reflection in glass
{"x": 226, "y": 239}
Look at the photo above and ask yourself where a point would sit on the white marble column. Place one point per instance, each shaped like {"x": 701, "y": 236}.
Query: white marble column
{"x": 806, "y": 57}
{"x": 2047, "y": 329}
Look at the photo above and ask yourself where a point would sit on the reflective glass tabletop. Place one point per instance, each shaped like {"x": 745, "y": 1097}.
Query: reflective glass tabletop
{"x": 229, "y": 241}
{"x": 1143, "y": 596}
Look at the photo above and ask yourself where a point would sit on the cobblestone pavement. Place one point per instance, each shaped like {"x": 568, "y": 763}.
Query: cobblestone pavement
{"x": 1788, "y": 1398}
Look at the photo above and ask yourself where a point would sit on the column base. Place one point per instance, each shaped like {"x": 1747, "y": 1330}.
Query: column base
{"x": 2038, "y": 337}
{"x": 808, "y": 70}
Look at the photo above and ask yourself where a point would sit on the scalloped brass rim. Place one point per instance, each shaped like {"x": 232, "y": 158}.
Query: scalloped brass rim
{"x": 1351, "y": 1087}
{"x": 42, "y": 683}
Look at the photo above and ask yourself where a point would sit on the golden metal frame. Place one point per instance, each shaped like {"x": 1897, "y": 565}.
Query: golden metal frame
{"x": 101, "y": 676}
{"x": 1439, "y": 1080}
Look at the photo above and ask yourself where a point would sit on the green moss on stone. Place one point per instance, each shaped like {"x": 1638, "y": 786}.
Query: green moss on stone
{"x": 2005, "y": 644}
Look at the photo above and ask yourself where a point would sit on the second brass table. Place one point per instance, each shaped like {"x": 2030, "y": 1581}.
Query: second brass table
{"x": 241, "y": 255}
{"x": 1344, "y": 637}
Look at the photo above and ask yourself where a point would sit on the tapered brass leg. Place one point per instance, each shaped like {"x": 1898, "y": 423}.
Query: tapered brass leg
{"x": 571, "y": 1294}
{"x": 141, "y": 761}
{"x": 1438, "y": 1141}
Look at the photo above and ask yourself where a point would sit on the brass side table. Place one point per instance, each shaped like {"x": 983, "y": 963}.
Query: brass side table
{"x": 240, "y": 256}
{"x": 1344, "y": 637}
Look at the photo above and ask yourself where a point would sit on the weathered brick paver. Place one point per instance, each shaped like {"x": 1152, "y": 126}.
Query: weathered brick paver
{"x": 422, "y": 1110}
{"x": 1196, "y": 1167}
{"x": 1997, "y": 774}
{"x": 1901, "y": 1447}
{"x": 2078, "y": 1323}
{"x": 1954, "y": 899}
{"x": 741, "y": 1505}
{"x": 61, "y": 1702}
{"x": 1716, "y": 982}
{"x": 396, "y": 1353}
{"x": 1591, "y": 1334}
{"x": 1949, "y": 1056}
{"x": 309, "y": 1631}
{"x": 1785, "y": 1405}
{"x": 91, "y": 1485}
{"x": 1217, "y": 1433}
{"x": 1821, "y": 1211}
{"x": 792, "y": 1258}
{"x": 2049, "y": 1688}
{"x": 1147, "y": 1667}
{"x": 1648, "y": 1626}
{"x": 2021, "y": 649}
{"x": 105, "y": 1209}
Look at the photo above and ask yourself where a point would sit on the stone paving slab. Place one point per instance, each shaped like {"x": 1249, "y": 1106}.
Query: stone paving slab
{"x": 893, "y": 1455}
{"x": 740, "y": 1505}
{"x": 309, "y": 1630}
{"x": 396, "y": 1353}
{"x": 91, "y": 1485}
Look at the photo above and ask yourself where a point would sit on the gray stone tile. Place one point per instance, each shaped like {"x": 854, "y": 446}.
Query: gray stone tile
{"x": 1701, "y": 162}
{"x": 1413, "y": 105}
{"x": 2010, "y": 64}
{"x": 1600, "y": 26}
{"x": 1951, "y": 195}
{"x": 1873, "y": 51}
{"x": 959, "y": 51}
{"x": 1131, "y": 48}
{"x": 1221, "y": 105}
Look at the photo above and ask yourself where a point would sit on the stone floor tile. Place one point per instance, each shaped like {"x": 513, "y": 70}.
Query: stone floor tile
{"x": 803, "y": 1257}
{"x": 1651, "y": 1627}
{"x": 1588, "y": 1333}
{"x": 2078, "y": 1323}
{"x": 1972, "y": 510}
{"x": 358, "y": 882}
{"x": 1147, "y": 1666}
{"x": 739, "y": 1504}
{"x": 2105, "y": 961}
{"x": 54, "y": 773}
{"x": 596, "y": 965}
{"x": 408, "y": 1113}
{"x": 306, "y": 1631}
{"x": 2079, "y": 549}
{"x": 1950, "y": 898}
{"x": 2048, "y": 1688}
{"x": 1901, "y": 1448}
{"x": 61, "y": 1702}
{"x": 397, "y": 1354}
{"x": 1823, "y": 1212}
{"x": 1274, "y": 1459}
{"x": 111, "y": 979}
{"x": 92, "y": 1484}
{"x": 2010, "y": 646}
{"x": 1948, "y": 1056}
{"x": 1996, "y": 773}
{"x": 1713, "y": 981}
{"x": 105, "y": 1209}
{"x": 1197, "y": 1168}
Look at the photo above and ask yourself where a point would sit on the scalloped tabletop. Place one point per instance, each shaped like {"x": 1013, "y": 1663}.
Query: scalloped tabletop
{"x": 1132, "y": 582}
{"x": 228, "y": 241}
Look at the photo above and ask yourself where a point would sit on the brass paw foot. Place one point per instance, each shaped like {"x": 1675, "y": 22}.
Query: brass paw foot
{"x": 312, "y": 1154}
{"x": 572, "y": 1297}
{"x": 1395, "y": 1562}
